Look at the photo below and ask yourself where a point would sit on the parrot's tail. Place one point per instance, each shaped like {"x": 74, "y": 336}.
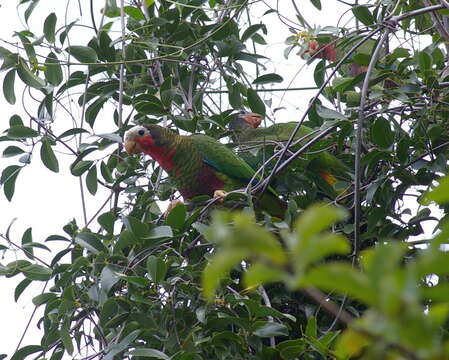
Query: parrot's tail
{"x": 329, "y": 178}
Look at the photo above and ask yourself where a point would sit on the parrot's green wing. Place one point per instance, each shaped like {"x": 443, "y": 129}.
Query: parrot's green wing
{"x": 230, "y": 167}
{"x": 222, "y": 159}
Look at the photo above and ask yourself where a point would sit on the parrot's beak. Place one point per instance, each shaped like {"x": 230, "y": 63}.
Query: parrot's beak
{"x": 253, "y": 119}
{"x": 132, "y": 147}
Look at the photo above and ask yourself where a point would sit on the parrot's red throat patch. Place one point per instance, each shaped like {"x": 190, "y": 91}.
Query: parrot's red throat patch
{"x": 159, "y": 153}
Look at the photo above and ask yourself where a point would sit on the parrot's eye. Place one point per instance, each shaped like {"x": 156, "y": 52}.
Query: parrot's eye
{"x": 141, "y": 132}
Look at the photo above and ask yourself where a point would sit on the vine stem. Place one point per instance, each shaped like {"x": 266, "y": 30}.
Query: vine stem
{"x": 358, "y": 149}
{"x": 122, "y": 67}
{"x": 116, "y": 191}
{"x": 80, "y": 179}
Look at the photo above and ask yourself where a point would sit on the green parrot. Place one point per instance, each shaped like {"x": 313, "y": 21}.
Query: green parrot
{"x": 245, "y": 129}
{"x": 198, "y": 164}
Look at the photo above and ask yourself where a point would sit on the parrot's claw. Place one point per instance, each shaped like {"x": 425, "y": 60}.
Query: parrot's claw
{"x": 220, "y": 195}
{"x": 171, "y": 206}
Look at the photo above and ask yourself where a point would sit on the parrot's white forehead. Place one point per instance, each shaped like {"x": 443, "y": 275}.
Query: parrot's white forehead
{"x": 134, "y": 131}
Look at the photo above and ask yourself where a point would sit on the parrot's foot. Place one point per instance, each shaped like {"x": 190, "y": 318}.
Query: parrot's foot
{"x": 220, "y": 195}
{"x": 171, "y": 206}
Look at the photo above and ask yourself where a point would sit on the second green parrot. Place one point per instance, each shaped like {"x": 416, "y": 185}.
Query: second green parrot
{"x": 245, "y": 130}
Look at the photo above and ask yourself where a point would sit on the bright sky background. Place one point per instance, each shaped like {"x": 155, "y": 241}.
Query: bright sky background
{"x": 47, "y": 201}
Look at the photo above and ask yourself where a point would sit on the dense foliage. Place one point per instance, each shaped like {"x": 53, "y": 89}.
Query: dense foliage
{"x": 342, "y": 276}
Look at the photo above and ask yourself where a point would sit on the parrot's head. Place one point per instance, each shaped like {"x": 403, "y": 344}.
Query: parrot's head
{"x": 137, "y": 139}
{"x": 243, "y": 120}
{"x": 146, "y": 139}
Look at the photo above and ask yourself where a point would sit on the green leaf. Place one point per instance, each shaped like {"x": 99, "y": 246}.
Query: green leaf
{"x": 137, "y": 227}
{"x": 107, "y": 221}
{"x": 217, "y": 269}
{"x": 43, "y": 298}
{"x": 49, "y": 28}
{"x": 90, "y": 242}
{"x": 311, "y": 328}
{"x": 268, "y": 329}
{"x": 72, "y": 132}
{"x": 316, "y": 3}
{"x": 30, "y": 9}
{"x": 268, "y": 79}
{"x": 8, "y": 180}
{"x": 27, "y": 45}
{"x": 21, "y": 132}
{"x": 148, "y": 353}
{"x": 8, "y": 87}
{"x": 136, "y": 280}
{"x": 25, "y": 351}
{"x": 91, "y": 180}
{"x": 27, "y": 238}
{"x": 111, "y": 137}
{"x": 255, "y": 102}
{"x": 351, "y": 344}
{"x": 317, "y": 218}
{"x": 80, "y": 167}
{"x": 108, "y": 278}
{"x": 84, "y": 54}
{"x": 15, "y": 120}
{"x": 319, "y": 73}
{"x": 326, "y": 113}
{"x": 436, "y": 293}
{"x": 381, "y": 133}
{"x": 341, "y": 278}
{"x": 177, "y": 216}
{"x": 260, "y": 273}
{"x": 106, "y": 173}
{"x": 113, "y": 349}
{"x": 160, "y": 232}
{"x": 424, "y": 61}
{"x": 21, "y": 288}
{"x": 250, "y": 31}
{"x": 440, "y": 193}
{"x": 37, "y": 272}
{"x": 381, "y": 262}
{"x": 53, "y": 71}
{"x": 291, "y": 349}
{"x": 235, "y": 100}
{"x": 246, "y": 236}
{"x": 66, "y": 339}
{"x": 134, "y": 12}
{"x": 12, "y": 151}
{"x": 111, "y": 10}
{"x": 67, "y": 29}
{"x": 157, "y": 269}
{"x": 149, "y": 104}
{"x": 28, "y": 77}
{"x": 48, "y": 156}
{"x": 93, "y": 110}
{"x": 362, "y": 13}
